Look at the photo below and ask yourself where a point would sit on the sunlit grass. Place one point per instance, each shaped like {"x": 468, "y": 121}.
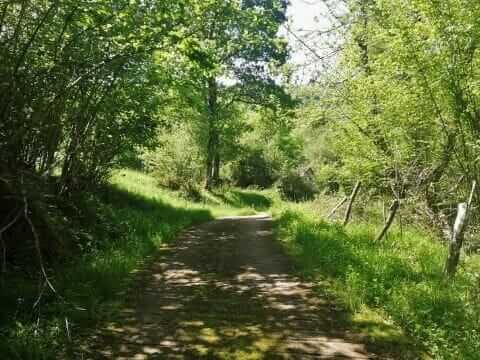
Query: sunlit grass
{"x": 120, "y": 228}
{"x": 398, "y": 283}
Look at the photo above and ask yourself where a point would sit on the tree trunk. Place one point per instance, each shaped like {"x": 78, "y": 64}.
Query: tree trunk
{"x": 209, "y": 165}
{"x": 458, "y": 233}
{"x": 216, "y": 168}
{"x": 456, "y": 241}
{"x": 354, "y": 194}
{"x": 393, "y": 211}
{"x": 432, "y": 197}
{"x": 212, "y": 142}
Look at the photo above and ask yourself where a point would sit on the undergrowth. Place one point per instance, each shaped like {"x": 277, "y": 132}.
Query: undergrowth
{"x": 114, "y": 232}
{"x": 399, "y": 280}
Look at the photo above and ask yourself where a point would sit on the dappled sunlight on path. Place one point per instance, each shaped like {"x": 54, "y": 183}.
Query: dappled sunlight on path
{"x": 225, "y": 291}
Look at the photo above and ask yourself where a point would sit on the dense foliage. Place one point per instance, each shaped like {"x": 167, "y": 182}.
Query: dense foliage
{"x": 78, "y": 84}
{"x": 198, "y": 94}
{"x": 396, "y": 112}
{"x": 86, "y": 87}
{"x": 399, "y": 111}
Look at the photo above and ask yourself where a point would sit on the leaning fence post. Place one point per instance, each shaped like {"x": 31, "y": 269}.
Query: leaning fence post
{"x": 354, "y": 194}
{"x": 338, "y": 206}
{"x": 393, "y": 210}
{"x": 456, "y": 240}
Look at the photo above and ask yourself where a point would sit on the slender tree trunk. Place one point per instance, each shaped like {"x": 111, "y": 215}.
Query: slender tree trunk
{"x": 393, "y": 211}
{"x": 456, "y": 241}
{"x": 212, "y": 142}
{"x": 458, "y": 233}
{"x": 354, "y": 194}
{"x": 209, "y": 166}
{"x": 216, "y": 168}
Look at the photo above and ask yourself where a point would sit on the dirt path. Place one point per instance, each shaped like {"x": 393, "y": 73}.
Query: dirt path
{"x": 225, "y": 290}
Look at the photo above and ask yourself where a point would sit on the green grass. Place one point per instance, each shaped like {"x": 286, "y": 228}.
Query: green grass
{"x": 399, "y": 281}
{"x": 240, "y": 199}
{"x": 117, "y": 230}
{"x": 395, "y": 292}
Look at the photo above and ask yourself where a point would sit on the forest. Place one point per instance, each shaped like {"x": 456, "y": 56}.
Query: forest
{"x": 236, "y": 144}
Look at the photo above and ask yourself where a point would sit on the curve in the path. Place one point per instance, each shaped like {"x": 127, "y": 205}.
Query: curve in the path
{"x": 225, "y": 290}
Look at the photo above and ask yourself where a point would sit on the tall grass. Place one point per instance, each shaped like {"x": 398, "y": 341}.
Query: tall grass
{"x": 115, "y": 231}
{"x": 400, "y": 279}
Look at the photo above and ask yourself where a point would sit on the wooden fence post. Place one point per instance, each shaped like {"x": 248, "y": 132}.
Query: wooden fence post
{"x": 456, "y": 240}
{"x": 338, "y": 206}
{"x": 393, "y": 210}
{"x": 354, "y": 194}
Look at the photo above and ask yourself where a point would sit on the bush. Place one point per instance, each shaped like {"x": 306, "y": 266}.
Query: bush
{"x": 174, "y": 167}
{"x": 253, "y": 169}
{"x": 329, "y": 179}
{"x": 296, "y": 187}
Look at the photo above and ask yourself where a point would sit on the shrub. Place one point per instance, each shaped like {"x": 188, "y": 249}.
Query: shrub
{"x": 329, "y": 178}
{"x": 253, "y": 169}
{"x": 296, "y": 187}
{"x": 174, "y": 167}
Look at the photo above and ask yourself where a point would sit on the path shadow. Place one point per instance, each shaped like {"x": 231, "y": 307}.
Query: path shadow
{"x": 111, "y": 234}
{"x": 225, "y": 291}
{"x": 129, "y": 229}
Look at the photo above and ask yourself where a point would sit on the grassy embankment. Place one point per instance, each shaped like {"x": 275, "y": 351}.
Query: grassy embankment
{"x": 120, "y": 228}
{"x": 391, "y": 291}
{"x": 397, "y": 284}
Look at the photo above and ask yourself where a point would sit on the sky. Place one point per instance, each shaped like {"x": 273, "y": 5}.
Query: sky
{"x": 305, "y": 18}
{"x": 304, "y": 15}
